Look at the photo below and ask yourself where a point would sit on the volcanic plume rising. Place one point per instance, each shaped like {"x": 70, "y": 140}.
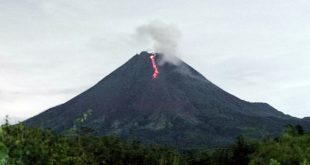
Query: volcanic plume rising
{"x": 156, "y": 72}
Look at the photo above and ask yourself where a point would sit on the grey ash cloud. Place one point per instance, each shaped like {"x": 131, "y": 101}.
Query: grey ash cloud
{"x": 164, "y": 38}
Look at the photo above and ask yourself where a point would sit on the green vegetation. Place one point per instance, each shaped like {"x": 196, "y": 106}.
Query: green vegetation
{"x": 293, "y": 147}
{"x": 21, "y": 145}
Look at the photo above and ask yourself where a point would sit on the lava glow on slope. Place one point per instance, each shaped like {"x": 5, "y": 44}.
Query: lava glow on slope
{"x": 156, "y": 72}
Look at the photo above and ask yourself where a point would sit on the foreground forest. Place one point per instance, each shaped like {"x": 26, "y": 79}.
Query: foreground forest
{"x": 20, "y": 145}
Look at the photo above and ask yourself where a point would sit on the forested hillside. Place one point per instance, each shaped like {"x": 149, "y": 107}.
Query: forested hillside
{"x": 22, "y": 145}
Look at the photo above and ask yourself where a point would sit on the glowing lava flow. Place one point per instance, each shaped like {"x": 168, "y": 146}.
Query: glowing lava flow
{"x": 156, "y": 72}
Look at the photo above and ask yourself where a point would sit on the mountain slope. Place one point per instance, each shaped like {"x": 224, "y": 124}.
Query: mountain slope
{"x": 179, "y": 108}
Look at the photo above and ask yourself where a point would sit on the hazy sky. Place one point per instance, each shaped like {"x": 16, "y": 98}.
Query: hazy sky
{"x": 50, "y": 51}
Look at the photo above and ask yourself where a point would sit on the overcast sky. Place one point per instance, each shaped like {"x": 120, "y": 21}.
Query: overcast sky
{"x": 50, "y": 51}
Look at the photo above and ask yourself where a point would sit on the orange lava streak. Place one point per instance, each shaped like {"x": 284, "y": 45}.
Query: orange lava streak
{"x": 156, "y": 72}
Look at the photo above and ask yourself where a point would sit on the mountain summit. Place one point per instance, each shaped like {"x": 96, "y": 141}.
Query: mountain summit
{"x": 179, "y": 107}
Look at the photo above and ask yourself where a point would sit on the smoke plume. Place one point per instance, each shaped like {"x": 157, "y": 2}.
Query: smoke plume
{"x": 163, "y": 37}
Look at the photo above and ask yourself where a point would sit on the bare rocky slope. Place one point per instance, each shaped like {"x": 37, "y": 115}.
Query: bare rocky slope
{"x": 180, "y": 108}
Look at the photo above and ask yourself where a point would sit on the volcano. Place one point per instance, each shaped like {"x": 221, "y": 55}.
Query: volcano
{"x": 180, "y": 108}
